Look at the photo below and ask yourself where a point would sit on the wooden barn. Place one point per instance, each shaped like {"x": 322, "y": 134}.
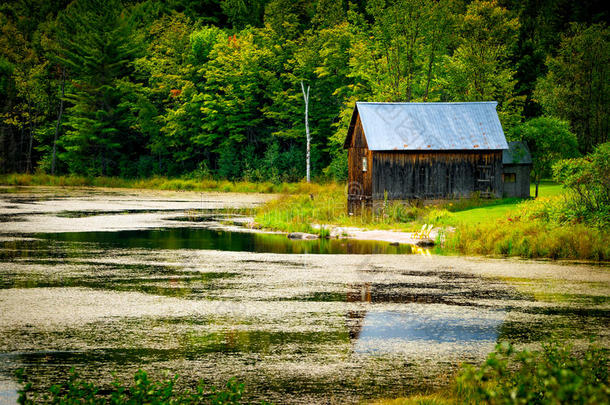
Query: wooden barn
{"x": 516, "y": 168}
{"x": 428, "y": 151}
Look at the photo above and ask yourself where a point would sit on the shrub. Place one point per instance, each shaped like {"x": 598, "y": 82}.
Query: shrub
{"x": 589, "y": 180}
{"x": 554, "y": 375}
{"x": 143, "y": 391}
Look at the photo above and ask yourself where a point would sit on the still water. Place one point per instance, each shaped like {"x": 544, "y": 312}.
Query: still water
{"x": 324, "y": 321}
{"x": 209, "y": 239}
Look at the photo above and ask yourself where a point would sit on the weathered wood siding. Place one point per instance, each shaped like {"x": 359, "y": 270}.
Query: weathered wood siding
{"x": 521, "y": 186}
{"x": 360, "y": 183}
{"x": 359, "y": 189}
{"x": 432, "y": 175}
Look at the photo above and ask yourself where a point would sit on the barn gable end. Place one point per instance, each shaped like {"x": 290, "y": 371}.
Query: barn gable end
{"x": 404, "y": 151}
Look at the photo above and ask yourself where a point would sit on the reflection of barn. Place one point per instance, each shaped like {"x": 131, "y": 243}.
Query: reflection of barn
{"x": 403, "y": 151}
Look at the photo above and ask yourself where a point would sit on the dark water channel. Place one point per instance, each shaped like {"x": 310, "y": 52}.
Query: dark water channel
{"x": 210, "y": 239}
{"x": 323, "y": 321}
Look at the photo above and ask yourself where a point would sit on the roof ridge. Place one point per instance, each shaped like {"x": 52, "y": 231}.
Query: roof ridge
{"x": 430, "y": 126}
{"x": 427, "y": 102}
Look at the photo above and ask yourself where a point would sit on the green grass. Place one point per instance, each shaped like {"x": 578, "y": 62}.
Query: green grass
{"x": 328, "y": 206}
{"x": 158, "y": 183}
{"x": 503, "y": 227}
{"x": 547, "y": 188}
{"x": 492, "y": 210}
{"x": 482, "y": 214}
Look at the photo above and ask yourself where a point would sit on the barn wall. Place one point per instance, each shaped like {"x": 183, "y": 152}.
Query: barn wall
{"x": 432, "y": 175}
{"x": 521, "y": 187}
{"x": 360, "y": 188}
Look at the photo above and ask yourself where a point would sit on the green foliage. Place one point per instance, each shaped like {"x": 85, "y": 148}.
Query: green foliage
{"x": 98, "y": 46}
{"x": 549, "y": 140}
{"x": 530, "y": 236}
{"x": 576, "y": 87}
{"x": 143, "y": 391}
{"x": 555, "y": 375}
{"x": 589, "y": 180}
{"x": 480, "y": 68}
{"x": 167, "y": 88}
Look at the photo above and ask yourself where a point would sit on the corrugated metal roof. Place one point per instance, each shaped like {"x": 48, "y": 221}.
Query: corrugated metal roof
{"x": 517, "y": 154}
{"x": 431, "y": 126}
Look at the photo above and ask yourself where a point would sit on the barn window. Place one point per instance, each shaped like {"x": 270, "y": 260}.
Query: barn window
{"x": 509, "y": 177}
{"x": 365, "y": 164}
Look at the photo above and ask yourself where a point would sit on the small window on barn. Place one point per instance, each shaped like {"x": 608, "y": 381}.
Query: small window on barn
{"x": 365, "y": 164}
{"x": 509, "y": 177}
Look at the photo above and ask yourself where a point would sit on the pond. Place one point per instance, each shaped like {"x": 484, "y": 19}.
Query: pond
{"x": 214, "y": 239}
{"x": 324, "y": 321}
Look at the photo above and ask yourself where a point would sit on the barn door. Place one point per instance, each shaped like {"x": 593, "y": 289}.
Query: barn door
{"x": 484, "y": 180}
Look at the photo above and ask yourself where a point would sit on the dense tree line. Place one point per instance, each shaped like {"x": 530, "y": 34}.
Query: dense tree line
{"x": 212, "y": 87}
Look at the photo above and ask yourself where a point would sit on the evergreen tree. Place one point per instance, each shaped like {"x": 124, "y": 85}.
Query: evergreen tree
{"x": 98, "y": 48}
{"x": 576, "y": 87}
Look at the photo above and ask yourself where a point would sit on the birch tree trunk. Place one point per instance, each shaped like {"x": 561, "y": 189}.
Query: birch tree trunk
{"x": 306, "y": 98}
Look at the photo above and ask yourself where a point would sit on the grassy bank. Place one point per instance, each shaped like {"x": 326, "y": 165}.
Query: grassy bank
{"x": 327, "y": 206}
{"x": 503, "y": 227}
{"x": 158, "y": 183}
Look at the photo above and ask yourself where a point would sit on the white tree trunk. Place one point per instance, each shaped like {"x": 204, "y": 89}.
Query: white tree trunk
{"x": 306, "y": 98}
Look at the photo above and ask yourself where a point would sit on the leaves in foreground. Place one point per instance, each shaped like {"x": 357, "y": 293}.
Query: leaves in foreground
{"x": 554, "y": 375}
{"x": 143, "y": 391}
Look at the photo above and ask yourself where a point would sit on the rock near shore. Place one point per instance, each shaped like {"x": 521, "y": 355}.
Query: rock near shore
{"x": 302, "y": 235}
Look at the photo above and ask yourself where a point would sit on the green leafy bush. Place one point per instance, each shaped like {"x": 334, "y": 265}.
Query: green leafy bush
{"x": 142, "y": 391}
{"x": 554, "y": 375}
{"x": 589, "y": 180}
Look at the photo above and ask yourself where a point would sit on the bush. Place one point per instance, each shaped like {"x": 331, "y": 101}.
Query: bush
{"x": 554, "y": 375}
{"x": 589, "y": 180}
{"x": 143, "y": 391}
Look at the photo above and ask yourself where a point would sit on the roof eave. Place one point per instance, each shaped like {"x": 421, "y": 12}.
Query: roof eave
{"x": 352, "y": 126}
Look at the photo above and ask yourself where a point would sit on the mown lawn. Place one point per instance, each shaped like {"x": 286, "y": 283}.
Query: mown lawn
{"x": 501, "y": 208}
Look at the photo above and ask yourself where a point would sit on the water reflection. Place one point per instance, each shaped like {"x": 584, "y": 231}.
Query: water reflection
{"x": 208, "y": 239}
{"x": 390, "y": 331}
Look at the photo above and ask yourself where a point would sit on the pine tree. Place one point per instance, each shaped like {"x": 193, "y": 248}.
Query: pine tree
{"x": 98, "y": 47}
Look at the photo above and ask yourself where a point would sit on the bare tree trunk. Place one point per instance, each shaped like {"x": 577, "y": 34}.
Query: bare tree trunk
{"x": 306, "y": 98}
{"x": 29, "y": 161}
{"x": 61, "y": 111}
{"x": 20, "y": 162}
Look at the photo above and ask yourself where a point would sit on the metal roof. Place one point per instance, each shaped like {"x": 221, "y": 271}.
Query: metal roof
{"x": 430, "y": 126}
{"x": 517, "y": 154}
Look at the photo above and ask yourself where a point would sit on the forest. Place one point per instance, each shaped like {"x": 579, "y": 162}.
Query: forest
{"x": 212, "y": 88}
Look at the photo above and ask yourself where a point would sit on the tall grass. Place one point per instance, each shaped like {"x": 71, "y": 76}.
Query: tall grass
{"x": 328, "y": 206}
{"x": 159, "y": 183}
{"x": 530, "y": 239}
